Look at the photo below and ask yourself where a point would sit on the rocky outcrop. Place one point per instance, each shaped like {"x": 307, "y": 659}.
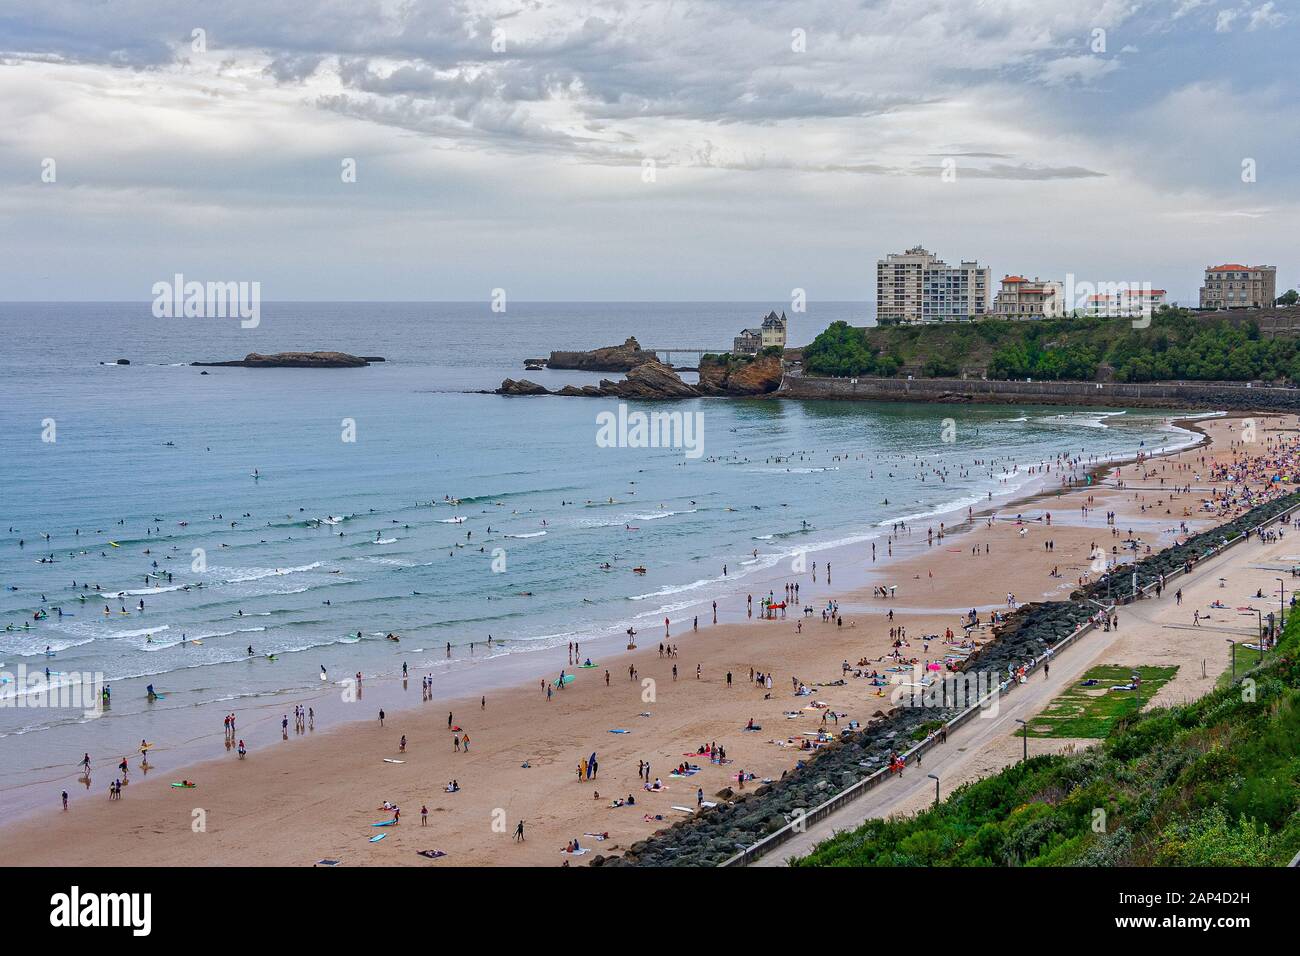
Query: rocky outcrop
{"x": 297, "y": 360}
{"x": 758, "y": 377}
{"x": 521, "y": 387}
{"x": 653, "y": 380}
{"x": 739, "y": 375}
{"x": 649, "y": 380}
{"x": 612, "y": 358}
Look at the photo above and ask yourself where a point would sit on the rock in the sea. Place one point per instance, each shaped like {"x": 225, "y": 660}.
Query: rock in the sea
{"x": 122, "y": 362}
{"x": 297, "y": 360}
{"x": 521, "y": 387}
{"x": 739, "y": 375}
{"x": 612, "y": 358}
{"x": 650, "y": 380}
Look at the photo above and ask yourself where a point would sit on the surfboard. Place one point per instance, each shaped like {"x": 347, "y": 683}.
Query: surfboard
{"x": 181, "y": 786}
{"x": 377, "y": 837}
{"x": 391, "y": 760}
{"x": 114, "y": 544}
{"x": 384, "y": 823}
{"x": 567, "y": 679}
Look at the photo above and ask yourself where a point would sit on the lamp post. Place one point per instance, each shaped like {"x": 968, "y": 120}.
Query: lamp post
{"x": 1281, "y": 603}
{"x": 1024, "y": 735}
{"x": 936, "y": 788}
{"x": 1233, "y": 645}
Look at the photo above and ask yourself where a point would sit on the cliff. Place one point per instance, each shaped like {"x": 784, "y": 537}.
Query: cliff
{"x": 611, "y": 358}
{"x": 296, "y": 360}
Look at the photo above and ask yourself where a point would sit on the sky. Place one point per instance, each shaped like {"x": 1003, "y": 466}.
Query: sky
{"x": 729, "y": 150}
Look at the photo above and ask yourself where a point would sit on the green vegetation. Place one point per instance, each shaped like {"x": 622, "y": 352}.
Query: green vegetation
{"x": 1178, "y": 345}
{"x": 1092, "y": 711}
{"x": 1211, "y": 783}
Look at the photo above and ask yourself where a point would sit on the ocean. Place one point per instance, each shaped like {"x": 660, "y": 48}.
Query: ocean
{"x": 307, "y": 514}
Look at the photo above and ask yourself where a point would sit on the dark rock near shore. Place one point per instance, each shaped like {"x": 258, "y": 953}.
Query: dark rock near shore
{"x": 521, "y": 387}
{"x": 296, "y": 360}
{"x": 649, "y": 380}
{"x": 122, "y": 362}
{"x": 611, "y": 358}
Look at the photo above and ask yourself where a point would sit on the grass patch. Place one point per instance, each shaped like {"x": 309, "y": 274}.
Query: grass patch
{"x": 1092, "y": 711}
{"x": 1247, "y": 658}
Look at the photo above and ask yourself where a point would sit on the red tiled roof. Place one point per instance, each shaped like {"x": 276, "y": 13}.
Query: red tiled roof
{"x": 1229, "y": 267}
{"x": 1014, "y": 279}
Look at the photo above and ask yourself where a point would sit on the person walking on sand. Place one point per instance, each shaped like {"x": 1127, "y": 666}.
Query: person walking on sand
{"x": 401, "y": 745}
{"x": 424, "y": 816}
{"x": 519, "y": 832}
{"x": 381, "y": 716}
{"x": 65, "y": 801}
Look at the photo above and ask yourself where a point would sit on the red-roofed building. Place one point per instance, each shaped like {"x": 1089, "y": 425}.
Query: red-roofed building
{"x": 1234, "y": 286}
{"x": 1021, "y": 298}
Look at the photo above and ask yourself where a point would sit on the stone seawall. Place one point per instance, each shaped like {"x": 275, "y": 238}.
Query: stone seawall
{"x": 1216, "y": 396}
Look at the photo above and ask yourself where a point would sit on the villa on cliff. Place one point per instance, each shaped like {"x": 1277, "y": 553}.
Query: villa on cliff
{"x": 771, "y": 333}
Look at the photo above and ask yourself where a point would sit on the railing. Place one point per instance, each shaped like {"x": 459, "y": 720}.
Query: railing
{"x": 870, "y": 782}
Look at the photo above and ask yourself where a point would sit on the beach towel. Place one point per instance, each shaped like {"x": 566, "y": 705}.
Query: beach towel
{"x": 391, "y": 760}
{"x": 576, "y": 852}
{"x": 431, "y": 854}
{"x": 326, "y": 863}
{"x": 597, "y": 836}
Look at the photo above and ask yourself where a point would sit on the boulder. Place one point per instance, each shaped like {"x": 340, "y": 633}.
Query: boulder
{"x": 521, "y": 387}
{"x": 650, "y": 380}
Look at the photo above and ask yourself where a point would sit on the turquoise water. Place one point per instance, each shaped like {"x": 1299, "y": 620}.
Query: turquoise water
{"x": 339, "y": 537}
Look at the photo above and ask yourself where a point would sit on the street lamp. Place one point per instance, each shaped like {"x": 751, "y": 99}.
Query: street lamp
{"x": 1281, "y": 602}
{"x": 936, "y": 789}
{"x": 1233, "y": 645}
{"x": 1024, "y": 734}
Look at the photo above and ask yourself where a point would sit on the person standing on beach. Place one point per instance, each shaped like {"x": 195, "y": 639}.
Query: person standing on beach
{"x": 519, "y": 832}
{"x": 381, "y": 716}
{"x": 424, "y": 816}
{"x": 65, "y": 801}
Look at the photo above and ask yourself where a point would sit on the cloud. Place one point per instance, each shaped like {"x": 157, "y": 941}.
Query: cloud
{"x": 505, "y": 123}
{"x": 1266, "y": 17}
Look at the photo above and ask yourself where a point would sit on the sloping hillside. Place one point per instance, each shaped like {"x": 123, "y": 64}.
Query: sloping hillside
{"x": 1211, "y": 783}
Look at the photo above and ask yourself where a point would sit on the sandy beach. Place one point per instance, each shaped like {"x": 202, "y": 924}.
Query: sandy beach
{"x": 315, "y": 795}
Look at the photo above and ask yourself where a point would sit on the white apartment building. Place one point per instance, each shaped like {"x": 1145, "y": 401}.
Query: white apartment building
{"x": 1021, "y": 298}
{"x": 1124, "y": 303}
{"x": 913, "y": 287}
